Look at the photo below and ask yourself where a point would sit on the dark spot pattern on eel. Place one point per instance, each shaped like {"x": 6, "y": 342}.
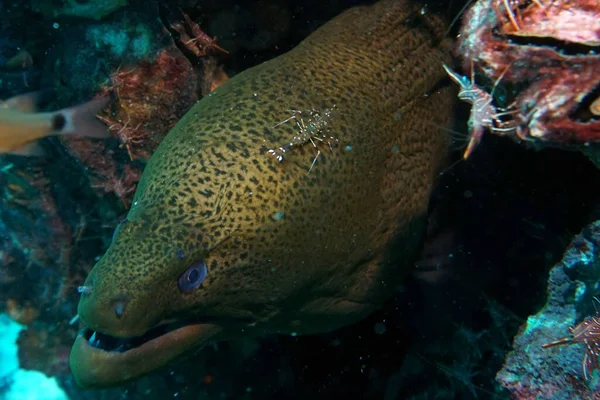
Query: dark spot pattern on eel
{"x": 284, "y": 251}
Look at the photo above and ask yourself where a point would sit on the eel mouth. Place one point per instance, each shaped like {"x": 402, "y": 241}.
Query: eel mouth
{"x": 99, "y": 360}
{"x": 104, "y": 342}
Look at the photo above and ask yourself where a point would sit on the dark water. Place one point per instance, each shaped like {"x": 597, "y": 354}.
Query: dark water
{"x": 505, "y": 216}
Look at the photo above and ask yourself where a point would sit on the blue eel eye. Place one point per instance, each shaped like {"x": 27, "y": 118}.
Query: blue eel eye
{"x": 192, "y": 277}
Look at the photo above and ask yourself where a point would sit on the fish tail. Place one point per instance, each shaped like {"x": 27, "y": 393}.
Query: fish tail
{"x": 24, "y": 102}
{"x": 81, "y": 120}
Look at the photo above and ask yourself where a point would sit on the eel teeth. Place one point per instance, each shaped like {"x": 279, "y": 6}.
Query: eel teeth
{"x": 92, "y": 339}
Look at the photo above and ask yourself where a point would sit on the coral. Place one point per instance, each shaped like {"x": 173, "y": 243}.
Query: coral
{"x": 151, "y": 97}
{"x": 41, "y": 349}
{"x": 15, "y": 382}
{"x": 57, "y": 213}
{"x": 545, "y": 54}
{"x": 23, "y": 314}
{"x": 38, "y": 239}
{"x": 153, "y": 85}
{"x": 133, "y": 42}
{"x": 535, "y": 370}
{"x": 9, "y": 332}
{"x": 92, "y": 9}
{"x": 26, "y": 196}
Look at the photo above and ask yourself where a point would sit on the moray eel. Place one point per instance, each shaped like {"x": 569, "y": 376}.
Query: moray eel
{"x": 231, "y": 233}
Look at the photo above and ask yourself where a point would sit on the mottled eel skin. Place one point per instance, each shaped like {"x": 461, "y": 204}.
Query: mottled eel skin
{"x": 286, "y": 251}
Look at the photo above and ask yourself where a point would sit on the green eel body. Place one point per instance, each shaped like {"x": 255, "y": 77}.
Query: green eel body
{"x": 286, "y": 250}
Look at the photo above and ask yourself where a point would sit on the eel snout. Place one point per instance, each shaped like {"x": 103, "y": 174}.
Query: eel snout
{"x": 100, "y": 360}
{"x": 124, "y": 337}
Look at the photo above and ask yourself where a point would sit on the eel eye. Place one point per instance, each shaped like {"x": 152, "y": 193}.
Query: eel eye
{"x": 192, "y": 277}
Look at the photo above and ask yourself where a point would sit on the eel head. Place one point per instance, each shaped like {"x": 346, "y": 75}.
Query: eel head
{"x": 153, "y": 296}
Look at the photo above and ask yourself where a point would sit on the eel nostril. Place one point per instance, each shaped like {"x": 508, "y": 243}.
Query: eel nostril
{"x": 119, "y": 302}
{"x": 119, "y": 309}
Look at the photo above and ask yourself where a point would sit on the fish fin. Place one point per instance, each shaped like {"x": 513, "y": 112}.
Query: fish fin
{"x": 81, "y": 120}
{"x": 31, "y": 149}
{"x": 24, "y": 102}
{"x": 21, "y": 60}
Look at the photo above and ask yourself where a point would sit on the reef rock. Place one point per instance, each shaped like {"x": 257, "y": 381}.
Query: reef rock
{"x": 568, "y": 371}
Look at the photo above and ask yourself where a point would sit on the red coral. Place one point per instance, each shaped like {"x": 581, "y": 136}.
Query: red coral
{"x": 122, "y": 185}
{"x": 151, "y": 98}
{"x": 547, "y": 50}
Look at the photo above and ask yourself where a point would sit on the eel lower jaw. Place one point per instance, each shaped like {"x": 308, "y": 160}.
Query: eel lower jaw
{"x": 98, "y": 360}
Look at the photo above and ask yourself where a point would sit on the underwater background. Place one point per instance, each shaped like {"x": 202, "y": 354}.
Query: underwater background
{"x": 503, "y": 225}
